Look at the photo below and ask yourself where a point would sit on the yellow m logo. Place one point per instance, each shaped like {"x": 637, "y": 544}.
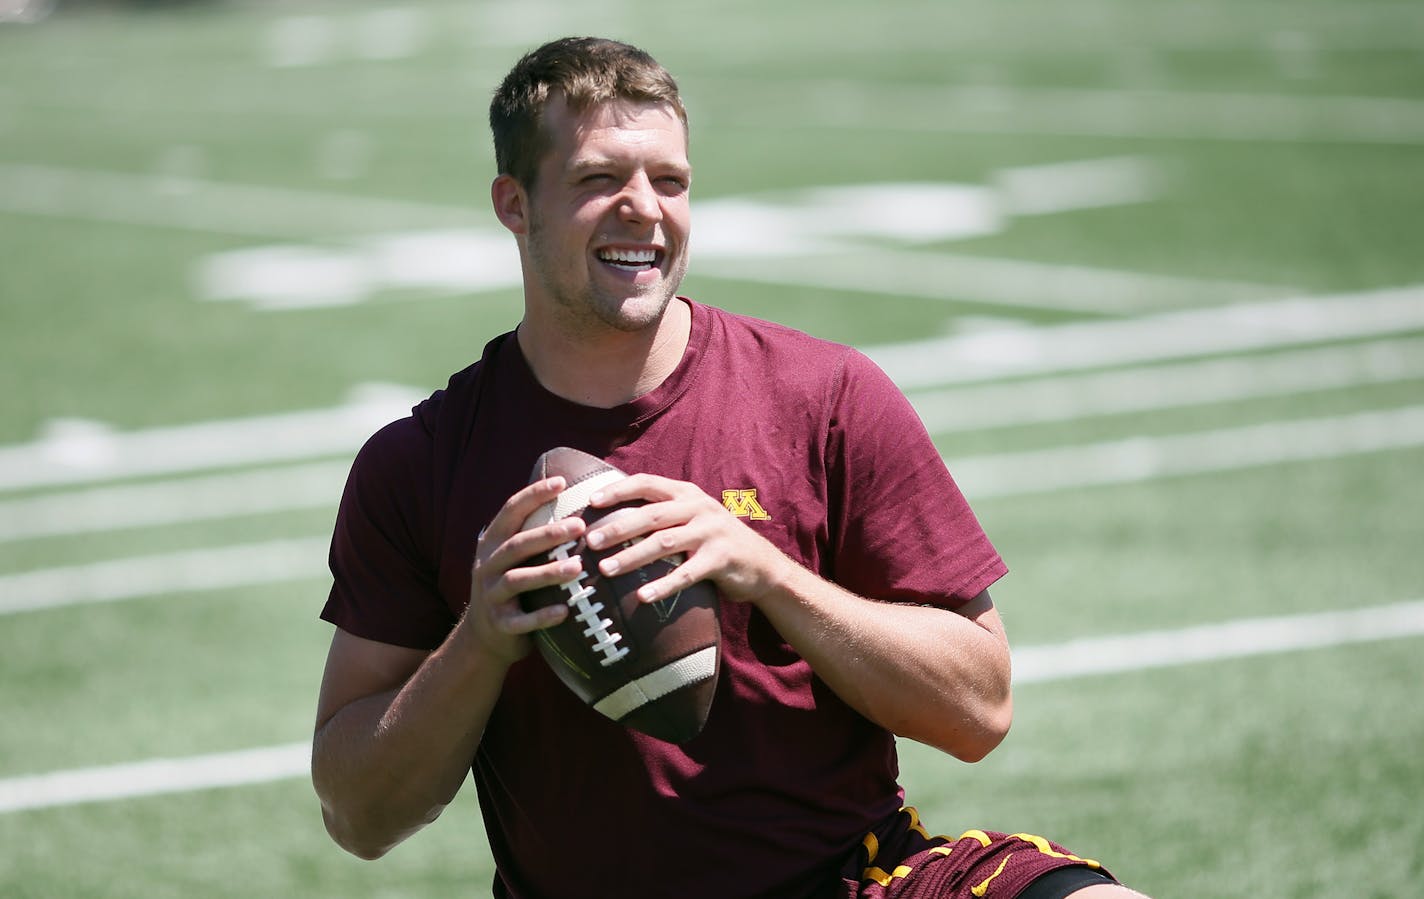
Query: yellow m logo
{"x": 743, "y": 504}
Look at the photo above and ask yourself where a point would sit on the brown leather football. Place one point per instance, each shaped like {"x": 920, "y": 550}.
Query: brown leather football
{"x": 651, "y": 666}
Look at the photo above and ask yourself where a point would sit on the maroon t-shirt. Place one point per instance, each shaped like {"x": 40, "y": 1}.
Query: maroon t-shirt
{"x": 811, "y": 445}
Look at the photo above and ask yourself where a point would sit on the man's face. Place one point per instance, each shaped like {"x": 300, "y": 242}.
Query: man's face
{"x": 608, "y": 220}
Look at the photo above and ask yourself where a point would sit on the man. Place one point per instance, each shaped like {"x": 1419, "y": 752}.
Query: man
{"x": 853, "y": 576}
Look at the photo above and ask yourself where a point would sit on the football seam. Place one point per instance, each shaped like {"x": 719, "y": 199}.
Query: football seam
{"x": 573, "y": 500}
{"x": 598, "y": 630}
{"x": 684, "y": 672}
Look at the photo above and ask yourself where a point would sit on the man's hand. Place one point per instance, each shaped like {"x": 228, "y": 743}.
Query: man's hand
{"x": 397, "y": 727}
{"x": 922, "y": 672}
{"x": 680, "y": 518}
{"x": 495, "y": 621}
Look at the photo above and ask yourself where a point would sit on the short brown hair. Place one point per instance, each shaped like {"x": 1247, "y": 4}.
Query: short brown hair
{"x": 587, "y": 71}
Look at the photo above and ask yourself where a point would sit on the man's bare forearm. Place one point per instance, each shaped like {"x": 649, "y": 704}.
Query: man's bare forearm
{"x": 922, "y": 672}
{"x": 929, "y": 673}
{"x": 387, "y": 764}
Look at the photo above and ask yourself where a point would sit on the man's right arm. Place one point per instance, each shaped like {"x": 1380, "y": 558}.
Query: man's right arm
{"x": 397, "y": 728}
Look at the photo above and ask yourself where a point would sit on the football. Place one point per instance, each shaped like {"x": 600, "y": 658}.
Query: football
{"x": 650, "y": 666}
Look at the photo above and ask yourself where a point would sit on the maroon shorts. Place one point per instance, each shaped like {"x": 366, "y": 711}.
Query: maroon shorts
{"x": 901, "y": 860}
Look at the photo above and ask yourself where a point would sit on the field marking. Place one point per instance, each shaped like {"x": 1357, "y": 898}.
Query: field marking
{"x": 1006, "y": 109}
{"x": 79, "y": 452}
{"x": 916, "y": 211}
{"x": 1138, "y": 459}
{"x": 176, "y": 501}
{"x": 757, "y": 237}
{"x": 1105, "y": 29}
{"x": 1117, "y": 462}
{"x": 956, "y": 410}
{"x": 88, "y": 454}
{"x": 193, "y": 204}
{"x": 185, "y": 571}
{"x": 379, "y": 34}
{"x": 1120, "y": 654}
{"x": 1215, "y": 642}
{"x": 982, "y": 280}
{"x": 1147, "y": 388}
{"x": 433, "y": 250}
{"x": 155, "y": 777}
{"x": 1079, "y": 346}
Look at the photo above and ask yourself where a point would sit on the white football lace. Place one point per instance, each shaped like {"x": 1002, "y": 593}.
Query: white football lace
{"x": 586, "y": 613}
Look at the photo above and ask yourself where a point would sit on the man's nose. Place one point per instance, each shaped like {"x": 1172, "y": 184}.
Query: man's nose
{"x": 639, "y": 200}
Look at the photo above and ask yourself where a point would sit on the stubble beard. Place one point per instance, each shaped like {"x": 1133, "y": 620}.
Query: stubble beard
{"x": 587, "y": 307}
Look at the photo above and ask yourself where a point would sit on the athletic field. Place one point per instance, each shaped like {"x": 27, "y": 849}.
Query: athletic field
{"x": 1151, "y": 271}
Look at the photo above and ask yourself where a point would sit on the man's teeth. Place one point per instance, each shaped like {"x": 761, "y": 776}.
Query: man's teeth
{"x": 629, "y": 258}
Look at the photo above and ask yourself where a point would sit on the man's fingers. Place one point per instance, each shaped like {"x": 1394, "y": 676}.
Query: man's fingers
{"x": 517, "y": 622}
{"x": 656, "y": 545}
{"x": 649, "y": 487}
{"x": 533, "y": 543}
{"x": 674, "y": 582}
{"x": 549, "y": 573}
{"x": 636, "y": 521}
{"x": 510, "y": 518}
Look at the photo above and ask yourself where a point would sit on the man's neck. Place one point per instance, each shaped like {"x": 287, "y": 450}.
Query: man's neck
{"x": 608, "y": 368}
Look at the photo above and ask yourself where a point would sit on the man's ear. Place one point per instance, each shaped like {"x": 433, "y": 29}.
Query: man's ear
{"x": 511, "y": 203}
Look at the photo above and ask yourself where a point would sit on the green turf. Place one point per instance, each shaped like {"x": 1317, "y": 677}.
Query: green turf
{"x": 1271, "y": 777}
{"x": 1263, "y": 777}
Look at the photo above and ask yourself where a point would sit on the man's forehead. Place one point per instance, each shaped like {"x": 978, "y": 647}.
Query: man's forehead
{"x": 620, "y": 113}
{"x": 607, "y": 130}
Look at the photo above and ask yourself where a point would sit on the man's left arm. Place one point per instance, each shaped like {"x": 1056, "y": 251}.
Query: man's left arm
{"x": 922, "y": 671}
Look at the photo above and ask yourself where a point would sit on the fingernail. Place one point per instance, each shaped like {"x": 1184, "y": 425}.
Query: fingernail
{"x": 608, "y": 566}
{"x": 596, "y": 497}
{"x": 595, "y": 539}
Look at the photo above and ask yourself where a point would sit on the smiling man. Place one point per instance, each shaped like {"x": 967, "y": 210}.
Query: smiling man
{"x": 853, "y": 576}
{"x": 603, "y": 225}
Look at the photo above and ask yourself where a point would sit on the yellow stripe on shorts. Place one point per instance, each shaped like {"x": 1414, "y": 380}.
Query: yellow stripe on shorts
{"x": 1042, "y": 846}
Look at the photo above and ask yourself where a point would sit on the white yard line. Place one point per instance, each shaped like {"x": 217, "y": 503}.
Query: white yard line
{"x": 1022, "y": 352}
{"x": 177, "y": 501}
{"x": 999, "y": 282}
{"x": 155, "y": 777}
{"x": 95, "y": 454}
{"x": 971, "y": 407}
{"x": 1006, "y": 109}
{"x": 187, "y": 571}
{"x": 1001, "y": 474}
{"x": 1151, "y": 387}
{"x": 1121, "y": 654}
{"x": 86, "y": 454}
{"x": 1100, "y": 30}
{"x": 1139, "y": 459}
{"x": 728, "y": 225}
{"x": 1215, "y": 642}
{"x": 193, "y": 204}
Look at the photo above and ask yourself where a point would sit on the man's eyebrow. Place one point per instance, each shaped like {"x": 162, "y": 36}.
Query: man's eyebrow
{"x": 594, "y": 163}
{"x": 586, "y": 163}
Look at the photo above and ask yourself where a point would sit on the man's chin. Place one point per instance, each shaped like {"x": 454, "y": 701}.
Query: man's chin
{"x": 634, "y": 320}
{"x": 635, "y": 313}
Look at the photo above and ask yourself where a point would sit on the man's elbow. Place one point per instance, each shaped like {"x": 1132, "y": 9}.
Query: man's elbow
{"x": 985, "y": 738}
{"x": 975, "y": 737}
{"x": 366, "y": 837}
{"x": 366, "y": 824}
{"x": 353, "y": 842}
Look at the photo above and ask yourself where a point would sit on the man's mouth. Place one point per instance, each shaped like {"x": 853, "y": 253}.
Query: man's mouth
{"x": 629, "y": 260}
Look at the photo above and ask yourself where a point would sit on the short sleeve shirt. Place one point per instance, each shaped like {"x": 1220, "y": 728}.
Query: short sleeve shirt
{"x": 805, "y": 441}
